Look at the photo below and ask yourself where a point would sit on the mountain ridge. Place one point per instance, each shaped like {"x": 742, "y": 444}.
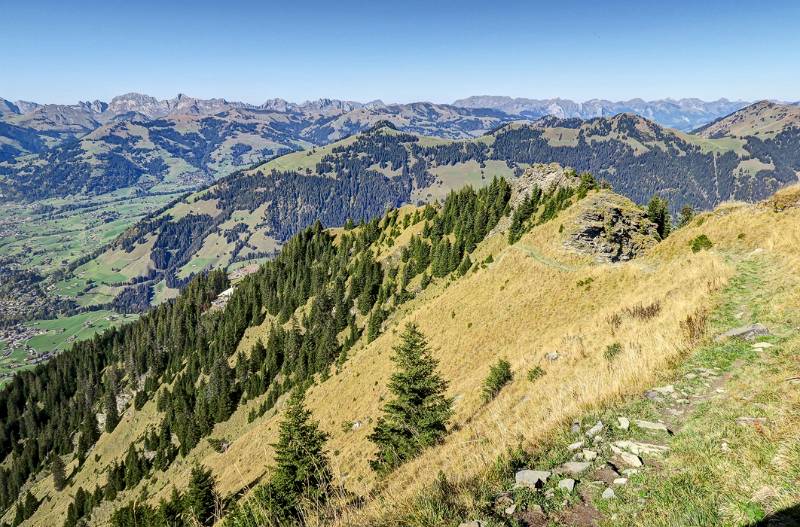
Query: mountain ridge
{"x": 683, "y": 114}
{"x": 153, "y": 107}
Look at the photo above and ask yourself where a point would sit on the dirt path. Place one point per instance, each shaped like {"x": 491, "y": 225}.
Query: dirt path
{"x": 549, "y": 262}
{"x": 716, "y": 442}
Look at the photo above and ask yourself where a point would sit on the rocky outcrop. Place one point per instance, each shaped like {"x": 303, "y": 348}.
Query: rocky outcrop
{"x": 611, "y": 228}
{"x": 545, "y": 176}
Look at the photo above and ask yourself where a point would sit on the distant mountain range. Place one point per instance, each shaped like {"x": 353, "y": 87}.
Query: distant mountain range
{"x": 84, "y": 117}
{"x": 681, "y": 114}
{"x": 280, "y": 166}
{"x": 152, "y": 145}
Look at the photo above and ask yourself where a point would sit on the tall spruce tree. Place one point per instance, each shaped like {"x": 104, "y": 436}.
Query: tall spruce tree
{"x": 58, "y": 471}
{"x": 658, "y": 213}
{"x": 89, "y": 434}
{"x": 417, "y": 415}
{"x": 200, "y": 500}
{"x": 302, "y": 472}
{"x": 134, "y": 471}
{"x": 112, "y": 415}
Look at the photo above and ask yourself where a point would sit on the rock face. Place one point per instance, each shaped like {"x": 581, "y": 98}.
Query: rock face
{"x": 612, "y": 229}
{"x": 545, "y": 176}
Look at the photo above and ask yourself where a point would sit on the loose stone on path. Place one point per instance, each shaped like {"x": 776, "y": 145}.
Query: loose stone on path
{"x": 649, "y": 425}
{"x": 567, "y": 484}
{"x": 596, "y": 429}
{"x": 531, "y": 478}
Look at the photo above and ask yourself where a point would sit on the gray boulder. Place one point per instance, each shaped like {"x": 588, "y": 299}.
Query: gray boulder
{"x": 650, "y": 425}
{"x": 531, "y": 478}
{"x": 596, "y": 429}
{"x": 745, "y": 332}
{"x": 574, "y": 468}
{"x": 567, "y": 484}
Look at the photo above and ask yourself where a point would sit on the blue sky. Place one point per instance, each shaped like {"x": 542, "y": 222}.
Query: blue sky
{"x": 399, "y": 51}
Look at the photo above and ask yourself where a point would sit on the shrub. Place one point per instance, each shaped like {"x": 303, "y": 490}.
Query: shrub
{"x": 499, "y": 376}
{"x": 218, "y": 445}
{"x": 701, "y": 243}
{"x": 694, "y": 327}
{"x": 535, "y": 372}
{"x": 612, "y": 351}
{"x": 644, "y": 312}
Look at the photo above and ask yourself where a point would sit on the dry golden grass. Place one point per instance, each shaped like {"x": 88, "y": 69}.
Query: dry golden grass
{"x": 522, "y": 306}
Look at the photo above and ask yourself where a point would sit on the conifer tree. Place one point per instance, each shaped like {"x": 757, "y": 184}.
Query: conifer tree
{"x": 89, "y": 434}
{"x": 374, "y": 323}
{"x": 72, "y": 517}
{"x": 658, "y": 213}
{"x": 200, "y": 499}
{"x": 133, "y": 468}
{"x": 302, "y": 472}
{"x": 686, "y": 215}
{"x": 58, "y": 471}
{"x": 465, "y": 265}
{"x": 257, "y": 356}
{"x": 30, "y": 504}
{"x": 112, "y": 416}
{"x": 416, "y": 417}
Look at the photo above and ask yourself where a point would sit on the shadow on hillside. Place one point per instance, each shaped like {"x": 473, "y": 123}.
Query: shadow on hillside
{"x": 788, "y": 517}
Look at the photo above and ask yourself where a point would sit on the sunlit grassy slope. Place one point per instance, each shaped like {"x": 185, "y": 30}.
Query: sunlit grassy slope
{"x": 537, "y": 297}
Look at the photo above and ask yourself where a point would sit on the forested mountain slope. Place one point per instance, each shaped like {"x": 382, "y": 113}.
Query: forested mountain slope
{"x": 250, "y": 213}
{"x": 132, "y": 411}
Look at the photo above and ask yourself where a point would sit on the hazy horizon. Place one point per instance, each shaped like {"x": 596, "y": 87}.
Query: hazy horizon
{"x": 350, "y": 99}
{"x": 437, "y": 52}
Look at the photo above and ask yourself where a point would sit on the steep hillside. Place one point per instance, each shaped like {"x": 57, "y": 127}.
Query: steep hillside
{"x": 581, "y": 338}
{"x": 249, "y": 214}
{"x": 763, "y": 120}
